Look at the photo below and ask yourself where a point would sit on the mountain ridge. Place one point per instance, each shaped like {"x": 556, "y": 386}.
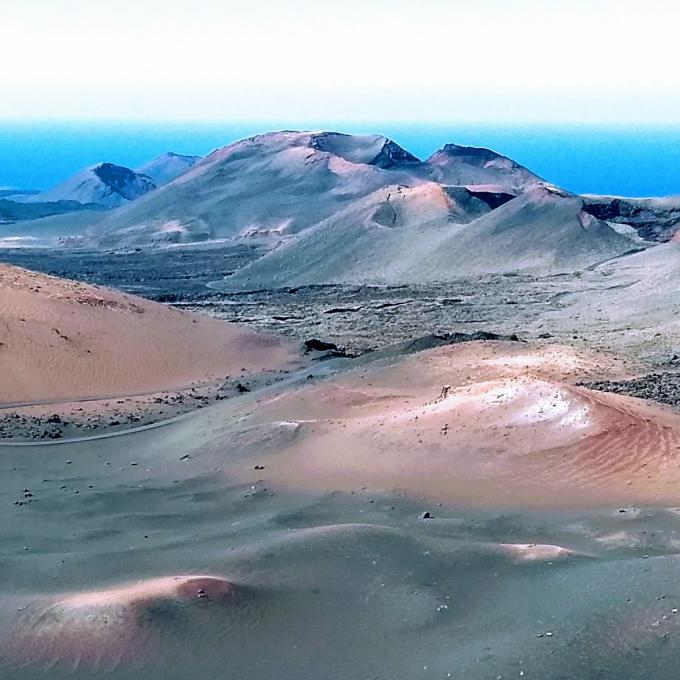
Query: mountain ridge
{"x": 104, "y": 183}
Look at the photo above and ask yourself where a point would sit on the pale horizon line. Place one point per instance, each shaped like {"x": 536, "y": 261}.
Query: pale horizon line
{"x": 321, "y": 125}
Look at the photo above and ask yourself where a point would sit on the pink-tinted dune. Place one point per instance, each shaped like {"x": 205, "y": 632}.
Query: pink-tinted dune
{"x": 483, "y": 425}
{"x": 100, "y": 629}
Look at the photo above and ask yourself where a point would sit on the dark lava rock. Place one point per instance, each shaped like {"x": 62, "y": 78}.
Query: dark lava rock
{"x": 441, "y": 339}
{"x": 327, "y": 350}
{"x": 661, "y": 387}
{"x": 315, "y": 345}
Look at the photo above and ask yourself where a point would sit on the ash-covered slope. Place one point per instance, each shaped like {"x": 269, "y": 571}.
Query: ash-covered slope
{"x": 168, "y": 166}
{"x": 543, "y": 230}
{"x": 370, "y": 241}
{"x": 432, "y": 234}
{"x": 268, "y": 185}
{"x": 467, "y": 165}
{"x": 105, "y": 184}
{"x": 641, "y": 295}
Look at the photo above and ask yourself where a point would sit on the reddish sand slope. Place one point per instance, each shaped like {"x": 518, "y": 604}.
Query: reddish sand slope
{"x": 478, "y": 424}
{"x": 98, "y": 630}
{"x": 61, "y": 340}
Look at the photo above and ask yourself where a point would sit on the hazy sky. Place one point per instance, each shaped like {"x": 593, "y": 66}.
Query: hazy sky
{"x": 434, "y": 60}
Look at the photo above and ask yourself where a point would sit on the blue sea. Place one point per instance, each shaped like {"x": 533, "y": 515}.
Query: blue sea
{"x": 621, "y": 160}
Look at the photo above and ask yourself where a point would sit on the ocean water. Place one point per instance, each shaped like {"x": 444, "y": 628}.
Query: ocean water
{"x": 621, "y": 160}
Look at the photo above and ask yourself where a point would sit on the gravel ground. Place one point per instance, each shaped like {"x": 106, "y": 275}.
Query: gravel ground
{"x": 580, "y": 308}
{"x": 661, "y": 387}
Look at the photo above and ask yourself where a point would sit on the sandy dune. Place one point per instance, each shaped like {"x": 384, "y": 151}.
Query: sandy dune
{"x": 98, "y": 630}
{"x": 61, "y": 340}
{"x": 312, "y": 500}
{"x": 480, "y": 424}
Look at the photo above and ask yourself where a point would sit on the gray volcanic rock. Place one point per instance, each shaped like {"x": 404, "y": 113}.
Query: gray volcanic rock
{"x": 654, "y": 219}
{"x": 104, "y": 184}
{"x": 467, "y": 165}
{"x": 431, "y": 233}
{"x": 265, "y": 186}
{"x": 168, "y": 166}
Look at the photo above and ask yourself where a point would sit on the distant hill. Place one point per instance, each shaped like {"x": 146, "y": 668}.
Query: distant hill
{"x": 278, "y": 184}
{"x": 168, "y": 166}
{"x": 264, "y": 186}
{"x": 105, "y": 184}
{"x": 467, "y": 165}
{"x": 346, "y": 190}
